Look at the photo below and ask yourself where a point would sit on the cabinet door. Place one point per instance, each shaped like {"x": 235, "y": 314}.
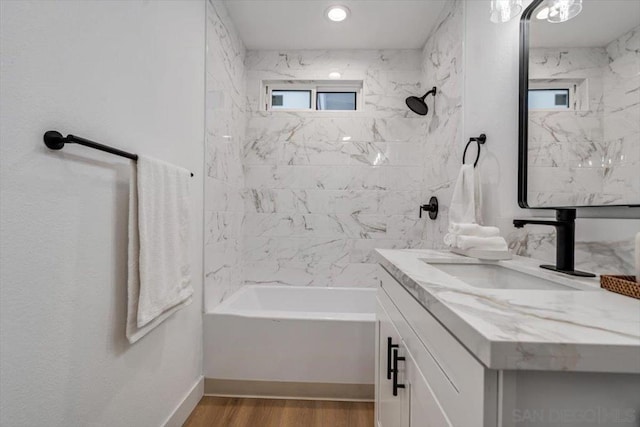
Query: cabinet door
{"x": 389, "y": 408}
{"x": 423, "y": 409}
{"x": 453, "y": 375}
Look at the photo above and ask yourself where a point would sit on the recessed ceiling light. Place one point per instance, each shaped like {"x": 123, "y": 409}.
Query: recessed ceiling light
{"x": 337, "y": 13}
{"x": 334, "y": 75}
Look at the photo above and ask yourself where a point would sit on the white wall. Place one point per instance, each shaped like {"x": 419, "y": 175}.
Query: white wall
{"x": 491, "y": 106}
{"x": 491, "y": 103}
{"x": 130, "y": 74}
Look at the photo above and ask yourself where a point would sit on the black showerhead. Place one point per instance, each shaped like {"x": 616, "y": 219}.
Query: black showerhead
{"x": 417, "y": 105}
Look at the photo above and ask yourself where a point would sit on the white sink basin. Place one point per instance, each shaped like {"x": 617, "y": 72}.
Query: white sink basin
{"x": 495, "y": 276}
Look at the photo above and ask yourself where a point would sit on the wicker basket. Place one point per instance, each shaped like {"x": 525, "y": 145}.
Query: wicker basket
{"x": 625, "y": 285}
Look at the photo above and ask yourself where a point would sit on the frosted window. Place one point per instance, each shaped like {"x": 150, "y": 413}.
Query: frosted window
{"x": 336, "y": 101}
{"x": 548, "y": 99}
{"x": 291, "y": 99}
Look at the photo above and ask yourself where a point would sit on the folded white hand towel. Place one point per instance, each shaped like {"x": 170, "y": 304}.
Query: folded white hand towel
{"x": 486, "y": 243}
{"x": 159, "y": 281}
{"x": 474, "y": 230}
{"x": 450, "y": 239}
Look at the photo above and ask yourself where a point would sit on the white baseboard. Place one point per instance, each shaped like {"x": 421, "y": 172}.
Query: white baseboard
{"x": 289, "y": 390}
{"x": 184, "y": 409}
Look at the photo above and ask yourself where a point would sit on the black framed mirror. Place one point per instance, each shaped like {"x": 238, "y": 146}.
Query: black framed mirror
{"x": 579, "y": 115}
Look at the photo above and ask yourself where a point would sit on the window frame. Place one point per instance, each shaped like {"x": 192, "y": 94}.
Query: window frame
{"x": 570, "y": 97}
{"x": 313, "y": 86}
{"x": 334, "y": 89}
{"x": 578, "y": 92}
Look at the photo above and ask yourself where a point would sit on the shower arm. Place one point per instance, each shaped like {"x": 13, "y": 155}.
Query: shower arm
{"x": 431, "y": 92}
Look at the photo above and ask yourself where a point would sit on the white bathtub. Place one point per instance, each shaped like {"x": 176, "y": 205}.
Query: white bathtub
{"x": 265, "y": 336}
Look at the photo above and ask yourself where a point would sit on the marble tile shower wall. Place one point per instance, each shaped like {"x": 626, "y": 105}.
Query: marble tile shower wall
{"x": 590, "y": 156}
{"x": 561, "y": 142}
{"x": 442, "y": 66}
{"x": 622, "y": 114}
{"x": 324, "y": 189}
{"x": 225, "y": 130}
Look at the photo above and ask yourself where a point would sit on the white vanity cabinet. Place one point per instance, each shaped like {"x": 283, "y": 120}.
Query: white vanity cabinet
{"x": 438, "y": 383}
{"x": 442, "y": 382}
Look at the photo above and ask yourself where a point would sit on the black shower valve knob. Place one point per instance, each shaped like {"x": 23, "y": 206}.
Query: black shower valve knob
{"x": 432, "y": 208}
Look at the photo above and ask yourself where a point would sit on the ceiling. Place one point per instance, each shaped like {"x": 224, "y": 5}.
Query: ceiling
{"x": 301, "y": 24}
{"x": 599, "y": 23}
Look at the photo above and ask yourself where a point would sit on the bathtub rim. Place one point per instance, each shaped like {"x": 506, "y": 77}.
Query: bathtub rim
{"x": 223, "y": 309}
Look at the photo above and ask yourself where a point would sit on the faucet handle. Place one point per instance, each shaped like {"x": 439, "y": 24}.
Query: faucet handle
{"x": 432, "y": 208}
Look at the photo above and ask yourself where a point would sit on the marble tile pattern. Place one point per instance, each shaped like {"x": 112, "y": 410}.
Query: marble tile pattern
{"x": 290, "y": 200}
{"x": 323, "y": 189}
{"x": 590, "y": 156}
{"x": 621, "y": 120}
{"x": 225, "y": 130}
{"x": 613, "y": 255}
{"x": 588, "y": 330}
{"x": 316, "y": 205}
{"x": 442, "y": 66}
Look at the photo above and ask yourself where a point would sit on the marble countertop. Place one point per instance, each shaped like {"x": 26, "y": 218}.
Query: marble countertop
{"x": 585, "y": 330}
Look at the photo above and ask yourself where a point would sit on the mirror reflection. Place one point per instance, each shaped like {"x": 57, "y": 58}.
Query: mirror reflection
{"x": 584, "y": 104}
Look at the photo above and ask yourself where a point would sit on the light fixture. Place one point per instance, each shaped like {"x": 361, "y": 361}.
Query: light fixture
{"x": 563, "y": 10}
{"x": 334, "y": 75}
{"x": 346, "y": 138}
{"x": 504, "y": 10}
{"x": 543, "y": 14}
{"x": 337, "y": 13}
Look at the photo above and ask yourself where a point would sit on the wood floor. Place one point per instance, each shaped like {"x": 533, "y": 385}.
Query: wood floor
{"x": 243, "y": 412}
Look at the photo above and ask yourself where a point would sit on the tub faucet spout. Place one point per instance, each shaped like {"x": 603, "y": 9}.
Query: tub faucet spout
{"x": 565, "y": 241}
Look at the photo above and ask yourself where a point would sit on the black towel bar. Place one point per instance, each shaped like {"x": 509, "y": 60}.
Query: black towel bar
{"x": 479, "y": 140}
{"x": 55, "y": 141}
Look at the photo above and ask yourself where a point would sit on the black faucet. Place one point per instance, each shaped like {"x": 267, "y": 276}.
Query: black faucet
{"x": 565, "y": 241}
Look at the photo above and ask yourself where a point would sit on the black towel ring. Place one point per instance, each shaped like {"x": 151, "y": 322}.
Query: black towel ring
{"x": 479, "y": 140}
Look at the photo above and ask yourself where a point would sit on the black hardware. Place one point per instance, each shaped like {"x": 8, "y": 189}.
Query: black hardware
{"x": 390, "y": 346}
{"x": 55, "y": 141}
{"x": 417, "y": 104}
{"x": 432, "y": 208}
{"x": 396, "y": 386}
{"x": 479, "y": 140}
{"x": 523, "y": 114}
{"x": 565, "y": 241}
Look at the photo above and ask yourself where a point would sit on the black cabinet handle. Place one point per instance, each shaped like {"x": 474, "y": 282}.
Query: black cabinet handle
{"x": 396, "y": 386}
{"x": 390, "y": 346}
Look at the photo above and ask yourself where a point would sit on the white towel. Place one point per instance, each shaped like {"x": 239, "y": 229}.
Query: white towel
{"x": 474, "y": 230}
{"x": 465, "y": 231}
{"x": 463, "y": 201}
{"x": 159, "y": 281}
{"x": 485, "y": 243}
